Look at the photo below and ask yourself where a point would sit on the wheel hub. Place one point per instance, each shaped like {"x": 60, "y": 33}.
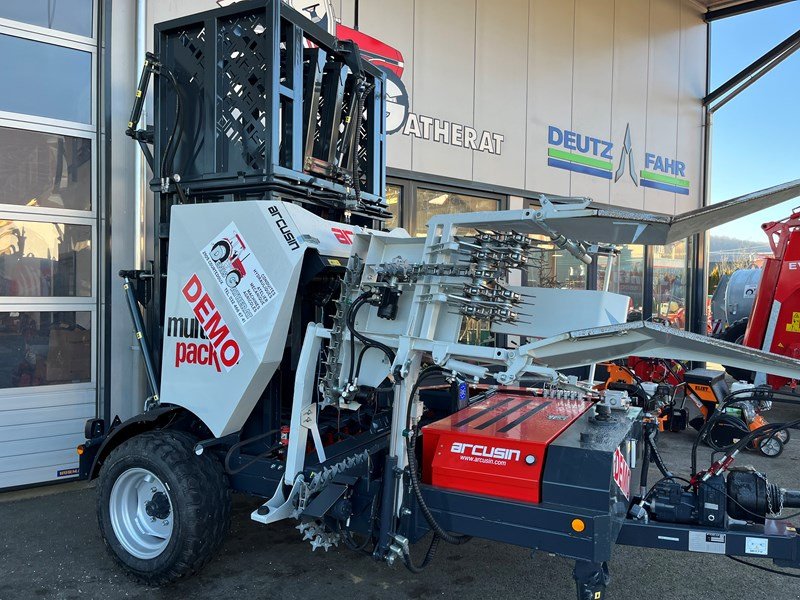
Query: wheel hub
{"x": 140, "y": 510}
{"x": 157, "y": 506}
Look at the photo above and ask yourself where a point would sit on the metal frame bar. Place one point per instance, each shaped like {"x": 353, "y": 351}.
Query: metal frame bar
{"x": 715, "y": 14}
{"x": 752, "y": 72}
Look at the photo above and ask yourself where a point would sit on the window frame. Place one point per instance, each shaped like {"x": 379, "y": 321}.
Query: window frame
{"x": 93, "y": 188}
{"x": 66, "y": 36}
{"x": 92, "y": 384}
{"x": 43, "y": 300}
{"x": 89, "y": 47}
{"x": 408, "y": 198}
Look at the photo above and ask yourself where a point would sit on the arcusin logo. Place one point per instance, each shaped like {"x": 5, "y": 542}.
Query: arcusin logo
{"x": 591, "y": 155}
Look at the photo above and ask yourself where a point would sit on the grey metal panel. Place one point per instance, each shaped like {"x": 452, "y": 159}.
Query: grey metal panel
{"x": 500, "y": 68}
{"x": 39, "y": 433}
{"x": 444, "y": 73}
{"x": 631, "y": 18}
{"x": 125, "y": 383}
{"x": 592, "y": 80}
{"x": 705, "y": 218}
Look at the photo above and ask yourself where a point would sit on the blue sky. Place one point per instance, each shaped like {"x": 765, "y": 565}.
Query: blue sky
{"x": 756, "y": 136}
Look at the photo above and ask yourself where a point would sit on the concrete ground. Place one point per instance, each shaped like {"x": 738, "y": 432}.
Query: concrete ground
{"x": 50, "y": 548}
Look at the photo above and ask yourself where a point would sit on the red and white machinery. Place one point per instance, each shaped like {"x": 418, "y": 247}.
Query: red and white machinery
{"x": 774, "y": 324}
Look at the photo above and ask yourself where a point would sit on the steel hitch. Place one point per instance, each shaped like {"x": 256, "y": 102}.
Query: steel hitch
{"x": 591, "y": 579}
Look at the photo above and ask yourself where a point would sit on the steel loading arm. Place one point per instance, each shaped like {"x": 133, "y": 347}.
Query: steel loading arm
{"x": 547, "y": 356}
{"x": 572, "y": 219}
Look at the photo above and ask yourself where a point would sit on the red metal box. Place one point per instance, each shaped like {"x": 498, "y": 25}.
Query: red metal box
{"x": 497, "y": 447}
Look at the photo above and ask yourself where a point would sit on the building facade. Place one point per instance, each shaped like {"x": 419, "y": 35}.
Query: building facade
{"x": 490, "y": 105}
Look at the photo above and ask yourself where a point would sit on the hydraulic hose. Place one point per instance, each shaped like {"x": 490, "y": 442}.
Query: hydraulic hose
{"x": 177, "y": 129}
{"x": 409, "y": 563}
{"x": 656, "y": 455}
{"x": 368, "y": 343}
{"x": 413, "y": 467}
{"x": 357, "y": 164}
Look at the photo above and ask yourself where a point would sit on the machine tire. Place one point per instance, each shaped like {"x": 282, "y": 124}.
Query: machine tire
{"x": 734, "y": 334}
{"x": 225, "y": 246}
{"x": 199, "y": 504}
{"x": 775, "y": 444}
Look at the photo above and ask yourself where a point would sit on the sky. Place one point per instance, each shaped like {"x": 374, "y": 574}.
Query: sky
{"x": 756, "y": 136}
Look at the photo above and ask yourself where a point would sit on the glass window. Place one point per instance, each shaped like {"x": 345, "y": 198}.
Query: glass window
{"x": 72, "y": 16}
{"x": 45, "y": 80}
{"x": 551, "y": 267}
{"x": 627, "y": 277}
{"x": 433, "y": 202}
{"x": 45, "y": 348}
{"x": 669, "y": 284}
{"x": 394, "y": 198}
{"x": 45, "y": 169}
{"x": 45, "y": 259}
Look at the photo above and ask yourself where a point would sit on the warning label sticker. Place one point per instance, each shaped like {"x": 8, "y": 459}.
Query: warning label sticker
{"x": 794, "y": 324}
{"x": 238, "y": 273}
{"x": 702, "y": 541}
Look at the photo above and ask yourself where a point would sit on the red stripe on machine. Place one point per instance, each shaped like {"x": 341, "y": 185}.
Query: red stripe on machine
{"x": 212, "y": 322}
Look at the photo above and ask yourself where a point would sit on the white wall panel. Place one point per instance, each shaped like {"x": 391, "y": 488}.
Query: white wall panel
{"x": 550, "y": 64}
{"x": 592, "y": 82}
{"x": 629, "y": 91}
{"x": 501, "y": 57}
{"x": 662, "y": 93}
{"x": 444, "y": 80}
{"x": 690, "y": 112}
{"x": 394, "y": 19}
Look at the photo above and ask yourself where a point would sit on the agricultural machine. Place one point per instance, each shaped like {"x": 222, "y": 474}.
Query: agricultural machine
{"x": 766, "y": 302}
{"x": 316, "y": 382}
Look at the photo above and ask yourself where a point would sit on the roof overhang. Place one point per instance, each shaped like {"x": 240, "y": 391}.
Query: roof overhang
{"x": 720, "y": 9}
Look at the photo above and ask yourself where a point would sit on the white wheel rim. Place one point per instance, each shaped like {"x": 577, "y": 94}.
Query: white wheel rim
{"x": 141, "y": 520}
{"x": 771, "y": 446}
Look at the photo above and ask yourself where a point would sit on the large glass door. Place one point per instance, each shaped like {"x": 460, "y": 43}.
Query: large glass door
{"x": 48, "y": 236}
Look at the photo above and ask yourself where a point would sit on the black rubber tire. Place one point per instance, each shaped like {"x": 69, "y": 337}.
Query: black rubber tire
{"x": 734, "y": 334}
{"x": 773, "y": 441}
{"x": 200, "y": 497}
{"x": 224, "y": 245}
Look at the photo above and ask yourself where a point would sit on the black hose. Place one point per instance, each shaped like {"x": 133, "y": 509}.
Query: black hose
{"x": 359, "y": 117}
{"x": 413, "y": 467}
{"x": 409, "y": 563}
{"x": 170, "y": 149}
{"x": 650, "y": 442}
{"x": 367, "y": 342}
{"x": 730, "y": 398}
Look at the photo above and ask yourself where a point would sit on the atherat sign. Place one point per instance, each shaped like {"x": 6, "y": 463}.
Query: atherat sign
{"x": 455, "y": 134}
{"x": 596, "y": 157}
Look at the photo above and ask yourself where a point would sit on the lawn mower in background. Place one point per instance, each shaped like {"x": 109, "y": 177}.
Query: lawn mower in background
{"x": 662, "y": 387}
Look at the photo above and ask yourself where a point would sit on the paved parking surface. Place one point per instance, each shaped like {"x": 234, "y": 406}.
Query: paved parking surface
{"x": 50, "y": 548}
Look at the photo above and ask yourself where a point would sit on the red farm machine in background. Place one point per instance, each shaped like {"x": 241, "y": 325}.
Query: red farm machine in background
{"x": 774, "y": 322}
